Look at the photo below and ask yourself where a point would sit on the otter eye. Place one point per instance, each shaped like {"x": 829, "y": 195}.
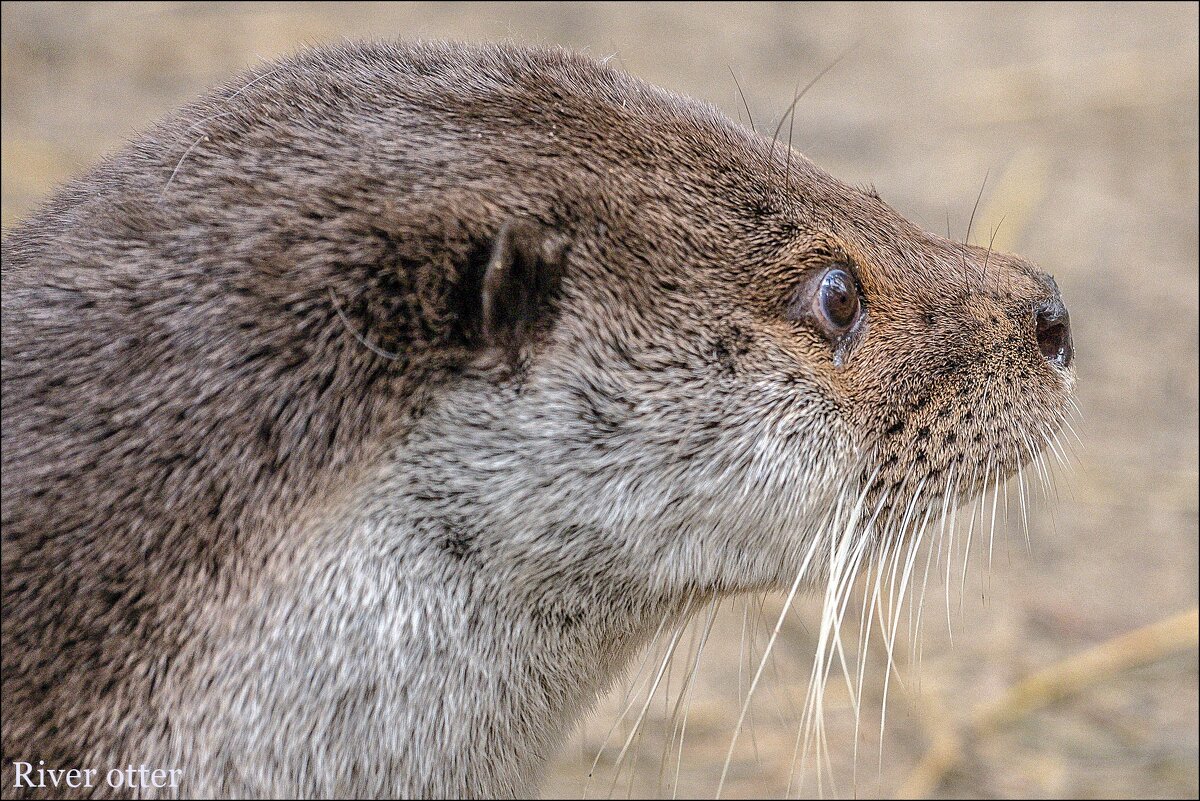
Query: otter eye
{"x": 830, "y": 302}
{"x": 836, "y": 301}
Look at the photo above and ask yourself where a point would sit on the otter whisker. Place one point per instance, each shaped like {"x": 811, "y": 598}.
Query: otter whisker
{"x": 202, "y": 137}
{"x": 787, "y": 168}
{"x": 979, "y": 509}
{"x": 687, "y": 693}
{"x": 970, "y": 223}
{"x": 1007, "y": 504}
{"x": 915, "y": 650}
{"x": 1076, "y": 410}
{"x": 915, "y": 619}
{"x": 843, "y": 563}
{"x": 954, "y": 524}
{"x": 200, "y": 122}
{"x": 1027, "y": 470}
{"x": 992, "y": 530}
{"x": 742, "y": 654}
{"x": 1075, "y": 458}
{"x": 885, "y": 615}
{"x": 949, "y": 492}
{"x": 1078, "y": 441}
{"x": 916, "y": 611}
{"x": 877, "y": 608}
{"x": 378, "y": 351}
{"x": 839, "y": 597}
{"x": 754, "y": 682}
{"x": 810, "y": 725}
{"x": 866, "y": 621}
{"x": 629, "y": 696}
{"x": 637, "y": 725}
{"x": 672, "y": 711}
{"x": 1061, "y": 461}
{"x": 792, "y": 106}
{"x": 991, "y": 242}
{"x": 847, "y": 593}
{"x": 1055, "y": 447}
{"x": 666, "y": 698}
{"x": 1035, "y": 458}
{"x": 748, "y": 662}
{"x": 864, "y": 638}
{"x": 742, "y": 94}
{"x": 976, "y": 507}
{"x": 178, "y": 164}
{"x": 914, "y": 543}
{"x": 800, "y": 574}
{"x": 895, "y": 605}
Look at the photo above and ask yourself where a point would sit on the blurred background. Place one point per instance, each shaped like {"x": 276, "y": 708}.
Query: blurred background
{"x": 1069, "y": 667}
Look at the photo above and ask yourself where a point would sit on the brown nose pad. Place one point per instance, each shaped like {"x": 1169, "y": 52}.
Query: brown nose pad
{"x": 1054, "y": 333}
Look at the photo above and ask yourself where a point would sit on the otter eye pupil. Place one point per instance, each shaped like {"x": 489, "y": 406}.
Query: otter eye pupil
{"x": 839, "y": 298}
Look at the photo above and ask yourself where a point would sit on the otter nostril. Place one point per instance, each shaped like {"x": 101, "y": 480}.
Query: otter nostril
{"x": 1054, "y": 333}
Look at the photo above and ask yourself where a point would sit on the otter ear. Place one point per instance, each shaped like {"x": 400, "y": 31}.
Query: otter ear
{"x": 522, "y": 277}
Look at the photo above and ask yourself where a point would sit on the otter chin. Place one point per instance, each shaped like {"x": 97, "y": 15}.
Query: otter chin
{"x": 364, "y": 417}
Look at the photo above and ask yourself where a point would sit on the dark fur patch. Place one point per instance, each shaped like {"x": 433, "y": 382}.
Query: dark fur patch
{"x": 458, "y": 544}
{"x": 730, "y": 346}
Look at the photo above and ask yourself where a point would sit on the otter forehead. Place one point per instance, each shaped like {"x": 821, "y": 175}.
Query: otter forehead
{"x": 542, "y": 129}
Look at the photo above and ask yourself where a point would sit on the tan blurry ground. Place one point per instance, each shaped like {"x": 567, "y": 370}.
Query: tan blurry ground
{"x": 1085, "y": 119}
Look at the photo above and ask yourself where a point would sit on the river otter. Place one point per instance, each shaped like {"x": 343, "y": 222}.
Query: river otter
{"x": 362, "y": 418}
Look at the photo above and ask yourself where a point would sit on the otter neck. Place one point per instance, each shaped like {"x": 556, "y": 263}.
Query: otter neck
{"x": 397, "y": 662}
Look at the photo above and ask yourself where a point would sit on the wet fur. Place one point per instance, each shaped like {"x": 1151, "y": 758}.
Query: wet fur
{"x": 362, "y": 419}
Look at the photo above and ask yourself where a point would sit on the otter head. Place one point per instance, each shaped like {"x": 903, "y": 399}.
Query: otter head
{"x": 692, "y": 352}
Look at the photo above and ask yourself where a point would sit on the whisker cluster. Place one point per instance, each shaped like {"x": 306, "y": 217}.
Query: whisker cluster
{"x": 866, "y": 558}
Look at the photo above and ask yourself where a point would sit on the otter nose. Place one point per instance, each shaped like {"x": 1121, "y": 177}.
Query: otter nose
{"x": 1053, "y": 331}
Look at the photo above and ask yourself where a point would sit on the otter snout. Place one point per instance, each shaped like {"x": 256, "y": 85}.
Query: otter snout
{"x": 1052, "y": 329}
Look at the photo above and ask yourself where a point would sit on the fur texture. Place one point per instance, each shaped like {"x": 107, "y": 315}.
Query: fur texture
{"x": 363, "y": 418}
